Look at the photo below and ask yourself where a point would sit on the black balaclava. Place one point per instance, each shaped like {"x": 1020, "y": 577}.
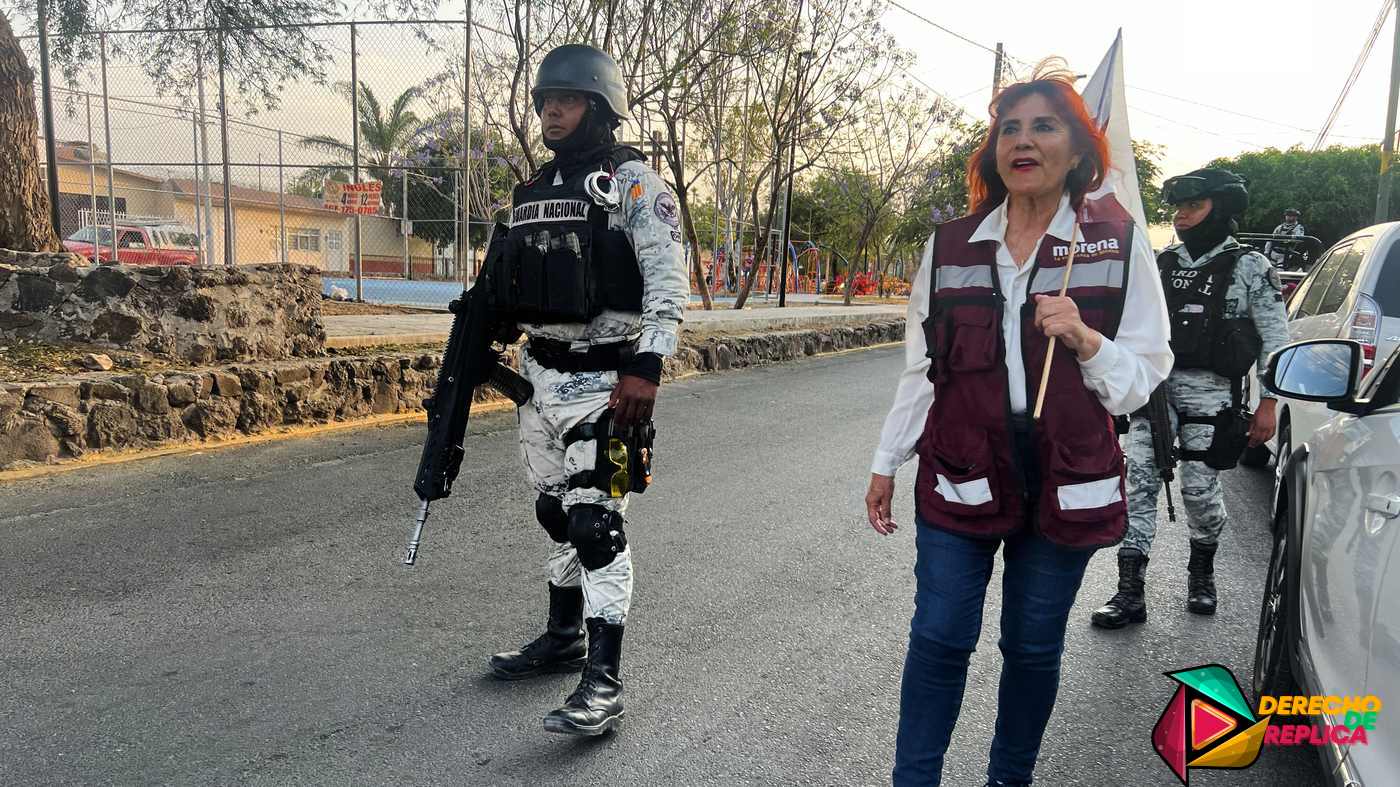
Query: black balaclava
{"x": 1212, "y": 230}
{"x": 590, "y": 140}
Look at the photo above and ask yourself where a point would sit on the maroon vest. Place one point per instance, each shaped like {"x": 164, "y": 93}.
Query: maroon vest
{"x": 968, "y": 480}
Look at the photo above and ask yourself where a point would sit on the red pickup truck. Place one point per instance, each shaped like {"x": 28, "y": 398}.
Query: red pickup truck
{"x": 138, "y": 244}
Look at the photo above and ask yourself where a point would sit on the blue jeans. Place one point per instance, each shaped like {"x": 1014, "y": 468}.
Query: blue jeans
{"x": 1038, "y": 589}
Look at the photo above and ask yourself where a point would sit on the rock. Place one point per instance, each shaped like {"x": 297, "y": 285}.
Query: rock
{"x": 286, "y": 375}
{"x": 211, "y": 417}
{"x": 226, "y": 384}
{"x": 64, "y": 272}
{"x": 27, "y": 437}
{"x": 10, "y": 403}
{"x": 106, "y": 389}
{"x": 37, "y": 293}
{"x": 70, "y": 394}
{"x": 182, "y": 393}
{"x": 259, "y": 412}
{"x": 110, "y": 425}
{"x": 153, "y": 398}
{"x": 97, "y": 362}
{"x": 19, "y": 321}
{"x": 116, "y": 327}
{"x": 106, "y": 282}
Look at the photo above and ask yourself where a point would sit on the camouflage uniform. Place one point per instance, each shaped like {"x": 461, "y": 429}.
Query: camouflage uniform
{"x": 564, "y": 400}
{"x": 1257, "y": 293}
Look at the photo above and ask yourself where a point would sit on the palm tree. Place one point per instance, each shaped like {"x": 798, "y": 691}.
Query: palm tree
{"x": 386, "y": 138}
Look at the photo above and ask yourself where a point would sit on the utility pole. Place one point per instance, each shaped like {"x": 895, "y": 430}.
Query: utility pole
{"x": 1388, "y": 144}
{"x": 997, "y": 69}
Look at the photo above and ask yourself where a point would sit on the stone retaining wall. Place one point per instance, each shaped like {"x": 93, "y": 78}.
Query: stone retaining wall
{"x": 61, "y": 420}
{"x": 197, "y": 315}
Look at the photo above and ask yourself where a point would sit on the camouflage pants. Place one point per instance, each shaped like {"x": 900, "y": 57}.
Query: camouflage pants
{"x": 562, "y": 401}
{"x": 1192, "y": 394}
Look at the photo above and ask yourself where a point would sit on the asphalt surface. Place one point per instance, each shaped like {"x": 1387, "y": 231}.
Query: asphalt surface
{"x": 241, "y": 616}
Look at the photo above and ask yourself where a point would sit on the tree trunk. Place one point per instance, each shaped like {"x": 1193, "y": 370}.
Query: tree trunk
{"x": 694, "y": 241}
{"x": 24, "y": 203}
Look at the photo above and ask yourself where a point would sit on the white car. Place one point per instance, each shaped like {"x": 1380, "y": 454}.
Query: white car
{"x": 1329, "y": 623}
{"x": 1353, "y": 292}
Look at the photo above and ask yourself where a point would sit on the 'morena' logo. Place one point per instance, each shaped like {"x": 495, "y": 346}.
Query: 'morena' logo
{"x": 1207, "y": 723}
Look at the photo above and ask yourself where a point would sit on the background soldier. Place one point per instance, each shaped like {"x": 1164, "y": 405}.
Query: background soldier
{"x": 594, "y": 271}
{"x": 1227, "y": 313}
{"x": 1290, "y": 226}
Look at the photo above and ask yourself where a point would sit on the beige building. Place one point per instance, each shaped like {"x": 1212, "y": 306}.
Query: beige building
{"x": 314, "y": 235}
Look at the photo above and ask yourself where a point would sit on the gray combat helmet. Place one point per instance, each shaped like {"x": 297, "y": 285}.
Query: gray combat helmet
{"x": 584, "y": 69}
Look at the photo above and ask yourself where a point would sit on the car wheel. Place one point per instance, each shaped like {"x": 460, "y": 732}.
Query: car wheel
{"x": 1273, "y": 671}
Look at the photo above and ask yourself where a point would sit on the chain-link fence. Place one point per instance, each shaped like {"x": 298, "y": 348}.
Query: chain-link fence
{"x": 206, "y": 174}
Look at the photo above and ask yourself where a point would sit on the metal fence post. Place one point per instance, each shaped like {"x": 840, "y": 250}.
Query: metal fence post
{"x": 198, "y": 223}
{"x": 281, "y": 204}
{"x": 92, "y": 169}
{"x": 107, "y": 134}
{"x": 403, "y": 223}
{"x": 207, "y": 240}
{"x": 50, "y": 144}
{"x": 355, "y": 158}
{"x": 457, "y": 225}
{"x": 223, "y": 135}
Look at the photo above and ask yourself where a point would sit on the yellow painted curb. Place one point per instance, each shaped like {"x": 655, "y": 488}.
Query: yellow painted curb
{"x": 294, "y": 432}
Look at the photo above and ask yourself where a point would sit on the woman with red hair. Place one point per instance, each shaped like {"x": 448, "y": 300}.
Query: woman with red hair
{"x": 985, "y": 309}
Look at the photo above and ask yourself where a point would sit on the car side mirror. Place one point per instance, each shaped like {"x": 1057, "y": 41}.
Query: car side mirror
{"x": 1320, "y": 370}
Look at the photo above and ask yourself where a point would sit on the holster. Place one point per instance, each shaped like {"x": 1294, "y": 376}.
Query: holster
{"x": 617, "y": 450}
{"x": 1230, "y": 438}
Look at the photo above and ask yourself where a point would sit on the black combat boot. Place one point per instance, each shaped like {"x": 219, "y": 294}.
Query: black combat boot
{"x": 1127, "y": 605}
{"x": 559, "y": 649}
{"x": 596, "y": 705}
{"x": 1200, "y": 579}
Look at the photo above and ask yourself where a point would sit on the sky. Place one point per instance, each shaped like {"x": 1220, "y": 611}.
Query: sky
{"x": 1205, "y": 78}
{"x": 1281, "y": 61}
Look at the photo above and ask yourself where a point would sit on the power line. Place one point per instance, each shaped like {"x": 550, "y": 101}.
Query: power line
{"x": 1194, "y": 128}
{"x": 1355, "y": 74}
{"x": 952, "y": 33}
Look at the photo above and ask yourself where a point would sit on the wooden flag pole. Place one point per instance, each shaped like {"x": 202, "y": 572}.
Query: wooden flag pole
{"x": 1050, "y": 348}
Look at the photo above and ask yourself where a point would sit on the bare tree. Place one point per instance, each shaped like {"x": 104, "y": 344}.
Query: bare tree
{"x": 886, "y": 154}
{"x": 833, "y": 53}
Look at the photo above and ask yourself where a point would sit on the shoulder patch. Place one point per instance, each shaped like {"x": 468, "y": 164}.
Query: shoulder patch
{"x": 665, "y": 207}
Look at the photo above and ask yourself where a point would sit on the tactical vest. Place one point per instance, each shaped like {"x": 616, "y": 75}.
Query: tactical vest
{"x": 969, "y": 481}
{"x": 560, "y": 261}
{"x": 1202, "y": 338}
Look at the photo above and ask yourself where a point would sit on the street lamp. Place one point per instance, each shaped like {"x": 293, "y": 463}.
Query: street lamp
{"x": 806, "y": 58}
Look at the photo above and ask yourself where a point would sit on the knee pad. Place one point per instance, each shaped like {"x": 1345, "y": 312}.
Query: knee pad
{"x": 549, "y": 510}
{"x": 596, "y": 534}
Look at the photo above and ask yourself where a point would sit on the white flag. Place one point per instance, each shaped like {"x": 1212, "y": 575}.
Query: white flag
{"x": 1107, "y": 102}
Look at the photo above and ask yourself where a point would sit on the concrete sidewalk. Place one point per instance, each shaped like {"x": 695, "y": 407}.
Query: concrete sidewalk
{"x": 367, "y": 330}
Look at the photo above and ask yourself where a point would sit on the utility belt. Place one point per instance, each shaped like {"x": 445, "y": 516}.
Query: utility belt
{"x": 623, "y": 462}
{"x": 557, "y": 355}
{"x": 1229, "y": 431}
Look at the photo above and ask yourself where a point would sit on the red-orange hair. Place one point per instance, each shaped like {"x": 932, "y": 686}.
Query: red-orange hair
{"x": 1055, "y": 82}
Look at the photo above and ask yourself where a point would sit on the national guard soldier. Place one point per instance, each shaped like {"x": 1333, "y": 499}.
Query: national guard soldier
{"x": 592, "y": 269}
{"x": 1291, "y": 227}
{"x": 1226, "y": 306}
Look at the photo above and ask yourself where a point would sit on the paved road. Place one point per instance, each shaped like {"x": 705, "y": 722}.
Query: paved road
{"x": 240, "y": 617}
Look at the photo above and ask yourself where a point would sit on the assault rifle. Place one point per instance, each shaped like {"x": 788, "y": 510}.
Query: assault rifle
{"x": 1163, "y": 443}
{"x": 473, "y": 358}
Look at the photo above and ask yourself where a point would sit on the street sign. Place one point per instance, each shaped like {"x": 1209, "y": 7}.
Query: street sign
{"x": 354, "y": 198}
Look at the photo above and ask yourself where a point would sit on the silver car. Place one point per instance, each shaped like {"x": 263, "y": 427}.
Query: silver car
{"x": 1353, "y": 292}
{"x": 1329, "y": 623}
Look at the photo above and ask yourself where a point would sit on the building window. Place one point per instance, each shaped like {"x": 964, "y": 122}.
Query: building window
{"x": 304, "y": 239}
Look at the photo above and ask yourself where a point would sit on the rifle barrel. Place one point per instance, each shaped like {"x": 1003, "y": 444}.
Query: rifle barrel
{"x": 417, "y": 536}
